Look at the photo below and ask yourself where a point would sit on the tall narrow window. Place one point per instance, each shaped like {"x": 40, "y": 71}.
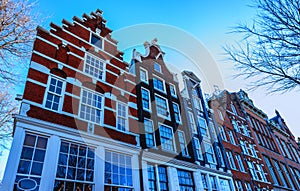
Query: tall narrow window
{"x": 173, "y": 90}
{"x": 198, "y": 149}
{"x": 32, "y": 159}
{"x": 143, "y": 75}
{"x": 151, "y": 178}
{"x": 94, "y": 66}
{"x": 239, "y": 185}
{"x": 197, "y": 103}
{"x": 203, "y": 126}
{"x": 158, "y": 84}
{"x": 261, "y": 173}
{"x": 149, "y": 133}
{"x": 96, "y": 40}
{"x": 176, "y": 112}
{"x": 157, "y": 67}
{"x": 213, "y": 183}
{"x": 162, "y": 106}
{"x": 280, "y": 173}
{"x": 231, "y": 137}
{"x": 222, "y": 133}
{"x": 185, "y": 180}
{"x": 146, "y": 99}
{"x": 220, "y": 156}
{"x": 122, "y": 116}
{"x": 252, "y": 170}
{"x": 209, "y": 152}
{"x": 240, "y": 162}
{"x": 182, "y": 143}
{"x": 235, "y": 125}
{"x": 91, "y": 106}
{"x": 204, "y": 181}
{"x": 230, "y": 159}
{"x": 192, "y": 122}
{"x": 163, "y": 178}
{"x": 75, "y": 167}
{"x": 287, "y": 174}
{"x": 54, "y": 94}
{"x": 118, "y": 171}
{"x": 166, "y": 138}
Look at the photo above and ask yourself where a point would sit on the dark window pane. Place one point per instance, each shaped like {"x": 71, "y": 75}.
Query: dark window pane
{"x": 72, "y": 160}
{"x": 30, "y": 140}
{"x": 73, "y": 149}
{"x": 89, "y": 175}
{"x": 64, "y": 147}
{"x": 27, "y": 153}
{"x": 58, "y": 185}
{"x": 37, "y": 168}
{"x": 80, "y": 174}
{"x": 61, "y": 172}
{"x": 79, "y": 187}
{"x": 69, "y": 186}
{"x": 82, "y": 151}
{"x": 24, "y": 167}
{"x": 41, "y": 143}
{"x": 62, "y": 159}
{"x": 71, "y": 173}
{"x": 90, "y": 164}
{"x": 96, "y": 41}
{"x": 91, "y": 153}
{"x": 39, "y": 155}
{"x": 81, "y": 162}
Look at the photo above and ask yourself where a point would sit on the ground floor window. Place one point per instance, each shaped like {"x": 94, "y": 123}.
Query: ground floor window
{"x": 224, "y": 184}
{"x": 118, "y": 172}
{"x": 185, "y": 180}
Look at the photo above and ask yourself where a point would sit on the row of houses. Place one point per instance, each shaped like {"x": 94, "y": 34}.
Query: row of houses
{"x": 91, "y": 121}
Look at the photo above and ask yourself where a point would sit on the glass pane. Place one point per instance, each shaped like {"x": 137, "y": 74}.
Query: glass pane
{"x": 71, "y": 173}
{"x": 24, "y": 167}
{"x": 64, "y": 147}
{"x": 73, "y": 149}
{"x": 41, "y": 143}
{"x": 27, "y": 153}
{"x": 61, "y": 172}
{"x": 30, "y": 140}
{"x": 62, "y": 159}
{"x": 37, "y": 168}
{"x": 39, "y": 155}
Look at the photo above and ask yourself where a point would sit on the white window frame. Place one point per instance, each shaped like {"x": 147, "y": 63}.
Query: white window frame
{"x": 61, "y": 96}
{"x": 239, "y": 185}
{"x": 199, "y": 118}
{"x": 163, "y": 82}
{"x": 223, "y": 133}
{"x": 192, "y": 122}
{"x": 146, "y": 73}
{"x": 240, "y": 162}
{"x": 179, "y": 113}
{"x": 173, "y": 138}
{"x": 183, "y": 145}
{"x": 248, "y": 186}
{"x": 220, "y": 156}
{"x": 207, "y": 147}
{"x": 157, "y": 64}
{"x": 100, "y": 60}
{"x": 174, "y": 87}
{"x": 153, "y": 133}
{"x": 231, "y": 137}
{"x": 198, "y": 148}
{"x": 167, "y": 104}
{"x": 125, "y": 118}
{"x": 149, "y": 99}
{"x": 231, "y": 160}
{"x": 101, "y": 110}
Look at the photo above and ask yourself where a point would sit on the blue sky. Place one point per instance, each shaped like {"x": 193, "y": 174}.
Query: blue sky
{"x": 207, "y": 21}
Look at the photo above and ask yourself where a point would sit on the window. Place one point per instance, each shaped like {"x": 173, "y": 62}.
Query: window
{"x": 149, "y": 133}
{"x": 252, "y": 170}
{"x": 244, "y": 148}
{"x": 239, "y": 185}
{"x": 197, "y": 103}
{"x": 96, "y": 40}
{"x": 286, "y": 149}
{"x": 198, "y": 149}
{"x": 204, "y": 181}
{"x": 224, "y": 184}
{"x": 75, "y": 167}
{"x": 173, "y": 90}
{"x": 230, "y": 159}
{"x": 244, "y": 130}
{"x": 261, "y": 173}
{"x": 157, "y": 67}
{"x": 271, "y": 169}
{"x": 163, "y": 178}
{"x": 235, "y": 125}
{"x": 151, "y": 178}
{"x": 158, "y": 84}
{"x": 185, "y": 180}
{"x": 213, "y": 183}
{"x": 279, "y": 171}
{"x": 122, "y": 116}
{"x": 233, "y": 109}
{"x": 32, "y": 159}
{"x": 118, "y": 171}
{"x": 209, "y": 152}
{"x": 166, "y": 138}
{"x": 248, "y": 186}
{"x": 146, "y": 99}
{"x": 287, "y": 174}
{"x": 252, "y": 150}
{"x": 203, "y": 126}
{"x": 222, "y": 133}
{"x": 143, "y": 75}
{"x": 176, "y": 113}
{"x": 182, "y": 143}
{"x": 162, "y": 108}
{"x": 240, "y": 163}
{"x": 231, "y": 137}
{"x": 94, "y": 66}
{"x": 192, "y": 122}
{"x": 54, "y": 94}
{"x": 220, "y": 156}
{"x": 220, "y": 115}
{"x": 91, "y": 107}
{"x": 296, "y": 175}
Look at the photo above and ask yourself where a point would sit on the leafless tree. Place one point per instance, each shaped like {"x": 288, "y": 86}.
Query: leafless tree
{"x": 17, "y": 31}
{"x": 269, "y": 52}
